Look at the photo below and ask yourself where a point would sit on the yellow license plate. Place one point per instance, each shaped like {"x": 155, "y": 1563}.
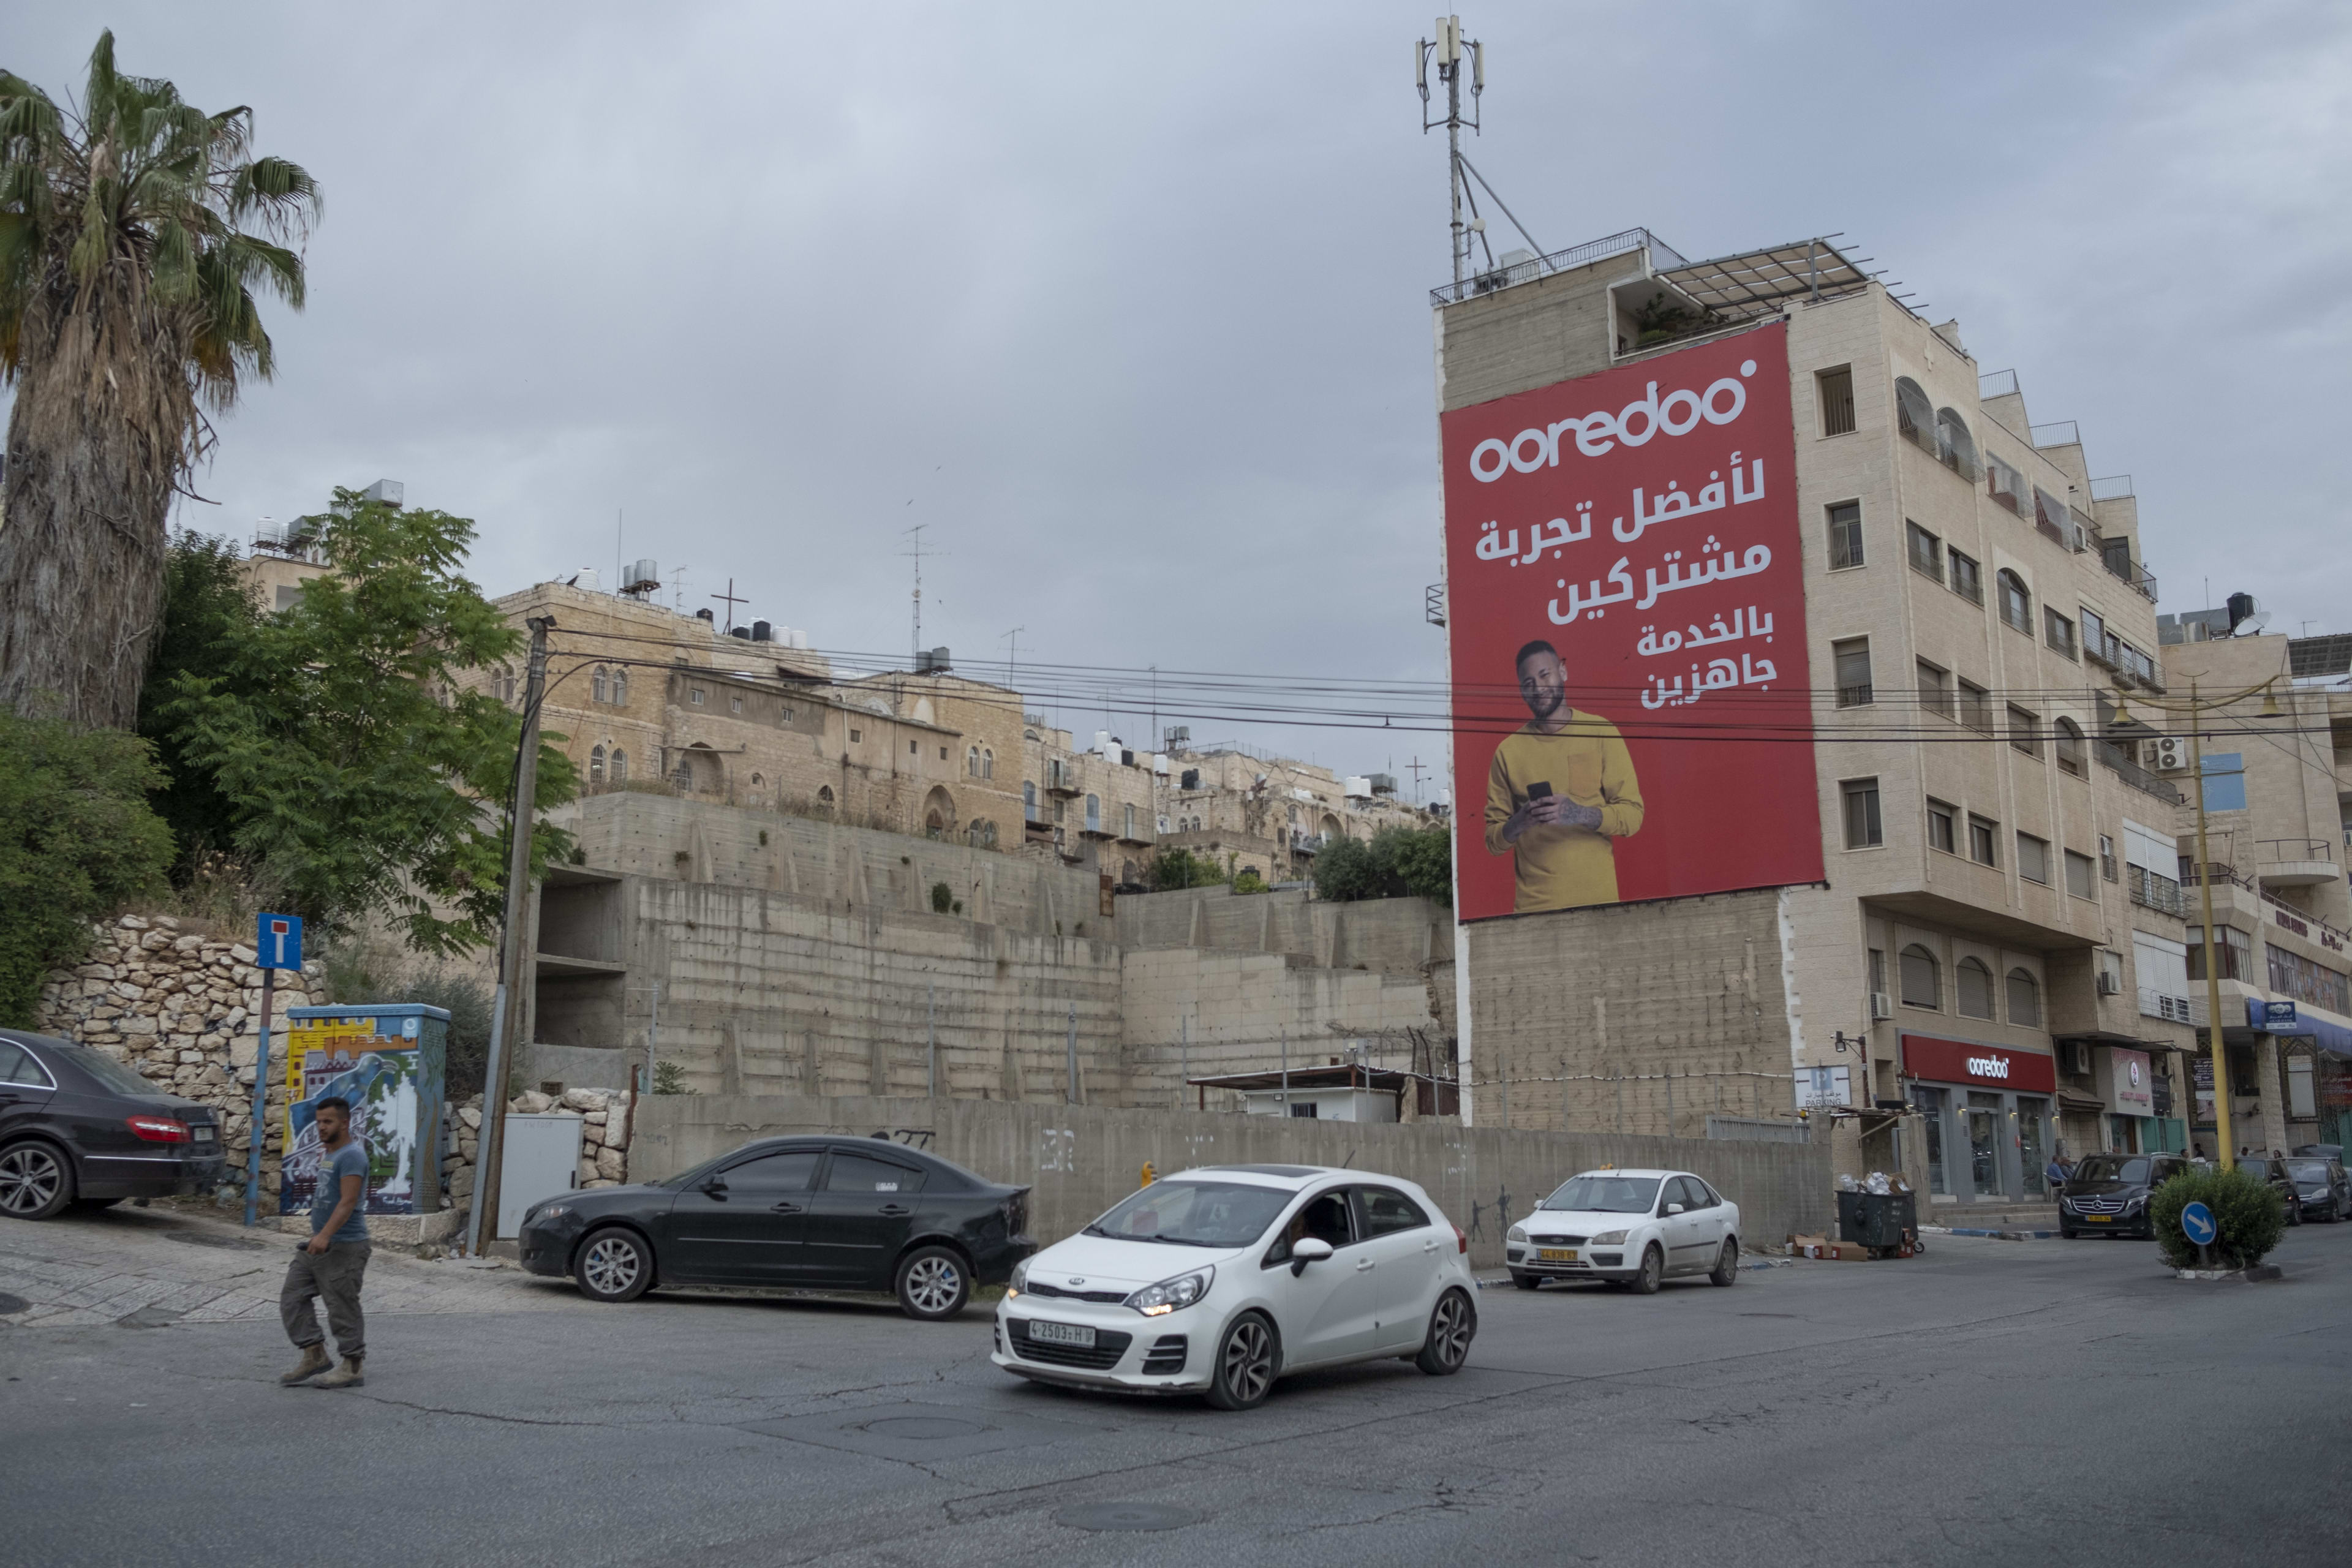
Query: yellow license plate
{"x": 1555, "y": 1255}
{"x": 2099, "y": 1218}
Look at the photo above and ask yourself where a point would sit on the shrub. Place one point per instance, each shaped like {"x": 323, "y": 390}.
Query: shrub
{"x": 1395, "y": 862}
{"x": 2247, "y": 1215}
{"x": 1180, "y": 867}
{"x": 942, "y": 898}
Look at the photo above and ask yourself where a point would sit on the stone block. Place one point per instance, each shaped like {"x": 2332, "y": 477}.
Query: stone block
{"x": 611, "y": 1165}
{"x": 131, "y": 922}
{"x": 241, "y": 953}
{"x": 471, "y": 1115}
{"x": 155, "y": 941}
{"x": 188, "y": 944}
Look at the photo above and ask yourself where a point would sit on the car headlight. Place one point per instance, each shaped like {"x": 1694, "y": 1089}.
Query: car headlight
{"x": 549, "y": 1212}
{"x": 1019, "y": 1281}
{"x": 1172, "y": 1295}
{"x": 1518, "y": 1233}
{"x": 1609, "y": 1238}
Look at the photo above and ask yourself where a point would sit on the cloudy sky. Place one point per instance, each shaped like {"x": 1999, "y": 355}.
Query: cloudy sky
{"x": 1129, "y": 305}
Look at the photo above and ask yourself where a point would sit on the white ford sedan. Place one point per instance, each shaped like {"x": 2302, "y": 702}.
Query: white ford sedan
{"x": 1628, "y": 1228}
{"x": 1219, "y": 1280}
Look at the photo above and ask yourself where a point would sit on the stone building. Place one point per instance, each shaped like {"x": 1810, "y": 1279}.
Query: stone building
{"x": 2276, "y": 782}
{"x": 1234, "y": 803}
{"x": 1963, "y": 990}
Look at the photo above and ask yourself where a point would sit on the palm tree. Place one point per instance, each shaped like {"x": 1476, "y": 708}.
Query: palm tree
{"x": 134, "y": 232}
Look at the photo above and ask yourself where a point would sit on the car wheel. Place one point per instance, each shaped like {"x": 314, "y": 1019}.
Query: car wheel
{"x": 1451, "y": 1325}
{"x": 933, "y": 1285}
{"x": 614, "y": 1265}
{"x": 92, "y": 1205}
{"x": 2295, "y": 1213}
{"x": 1525, "y": 1281}
{"x": 34, "y": 1181}
{"x": 2065, "y": 1235}
{"x": 1726, "y": 1264}
{"x": 1242, "y": 1373}
{"x": 1653, "y": 1269}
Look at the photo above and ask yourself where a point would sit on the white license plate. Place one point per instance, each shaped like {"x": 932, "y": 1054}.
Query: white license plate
{"x": 1555, "y": 1255}
{"x": 201, "y": 1134}
{"x": 1062, "y": 1334}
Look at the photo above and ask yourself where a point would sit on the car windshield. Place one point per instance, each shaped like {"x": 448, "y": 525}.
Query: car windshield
{"x": 2311, "y": 1171}
{"x": 1195, "y": 1214}
{"x": 2109, "y": 1168}
{"x": 1605, "y": 1195}
{"x": 113, "y": 1074}
{"x": 2255, "y": 1168}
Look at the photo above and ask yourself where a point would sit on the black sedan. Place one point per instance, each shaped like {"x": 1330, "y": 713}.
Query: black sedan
{"x": 2272, "y": 1170}
{"x": 2109, "y": 1193}
{"x": 2321, "y": 1188}
{"x": 825, "y": 1213}
{"x": 79, "y": 1127}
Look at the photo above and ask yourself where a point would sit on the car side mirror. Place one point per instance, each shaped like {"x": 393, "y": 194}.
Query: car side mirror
{"x": 1673, "y": 1208}
{"x": 1308, "y": 1249}
{"x": 716, "y": 1186}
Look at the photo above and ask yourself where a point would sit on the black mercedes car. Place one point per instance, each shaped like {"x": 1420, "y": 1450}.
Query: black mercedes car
{"x": 2320, "y": 1187}
{"x": 2109, "y": 1193}
{"x": 79, "y": 1127}
{"x": 820, "y": 1213}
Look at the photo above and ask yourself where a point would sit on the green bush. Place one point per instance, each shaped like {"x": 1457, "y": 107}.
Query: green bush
{"x": 942, "y": 897}
{"x": 1180, "y": 867}
{"x": 2247, "y": 1214}
{"x": 1395, "y": 862}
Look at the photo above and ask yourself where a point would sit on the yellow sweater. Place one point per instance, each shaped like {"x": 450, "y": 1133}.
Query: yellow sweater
{"x": 1560, "y": 868}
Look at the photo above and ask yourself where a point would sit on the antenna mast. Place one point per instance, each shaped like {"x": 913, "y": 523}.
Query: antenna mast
{"x": 916, "y": 533}
{"x": 1447, "y": 48}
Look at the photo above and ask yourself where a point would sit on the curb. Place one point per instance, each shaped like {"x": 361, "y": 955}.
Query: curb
{"x": 1995, "y": 1234}
{"x": 2259, "y": 1273}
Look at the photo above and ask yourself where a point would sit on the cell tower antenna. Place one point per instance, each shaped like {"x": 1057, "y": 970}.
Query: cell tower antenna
{"x": 919, "y": 552}
{"x": 1449, "y": 49}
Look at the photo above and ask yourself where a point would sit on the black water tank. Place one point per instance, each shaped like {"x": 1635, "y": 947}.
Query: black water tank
{"x": 762, "y": 631}
{"x": 744, "y": 631}
{"x": 2241, "y": 606}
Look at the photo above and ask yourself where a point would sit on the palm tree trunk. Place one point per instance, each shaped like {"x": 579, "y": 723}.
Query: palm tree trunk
{"x": 82, "y": 548}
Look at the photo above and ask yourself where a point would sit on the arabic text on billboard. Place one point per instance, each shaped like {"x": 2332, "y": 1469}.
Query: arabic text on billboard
{"x": 1627, "y": 610}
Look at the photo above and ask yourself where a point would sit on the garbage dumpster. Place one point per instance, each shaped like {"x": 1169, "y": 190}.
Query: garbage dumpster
{"x": 1887, "y": 1222}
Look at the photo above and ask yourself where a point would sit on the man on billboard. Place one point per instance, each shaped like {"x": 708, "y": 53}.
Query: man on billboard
{"x": 1559, "y": 794}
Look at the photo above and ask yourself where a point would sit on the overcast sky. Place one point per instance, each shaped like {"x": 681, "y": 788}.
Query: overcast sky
{"x": 1130, "y": 304}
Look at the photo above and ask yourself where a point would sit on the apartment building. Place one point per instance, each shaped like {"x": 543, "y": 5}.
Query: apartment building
{"x": 1094, "y": 805}
{"x": 1247, "y": 807}
{"x": 2274, "y": 730}
{"x": 1992, "y": 959}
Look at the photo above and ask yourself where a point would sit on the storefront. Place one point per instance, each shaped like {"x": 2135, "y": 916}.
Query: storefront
{"x": 2128, "y": 1084}
{"x": 1986, "y": 1116}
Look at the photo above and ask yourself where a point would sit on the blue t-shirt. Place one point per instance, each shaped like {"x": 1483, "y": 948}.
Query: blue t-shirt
{"x": 349, "y": 1160}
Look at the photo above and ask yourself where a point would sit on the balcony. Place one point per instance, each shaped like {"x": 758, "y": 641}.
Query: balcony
{"x": 2113, "y": 757}
{"x": 2295, "y": 863}
{"x": 2172, "y": 1009}
{"x": 2150, "y": 890}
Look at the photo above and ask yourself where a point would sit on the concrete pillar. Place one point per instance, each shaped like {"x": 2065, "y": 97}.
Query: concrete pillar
{"x": 731, "y": 1059}
{"x": 2270, "y": 1091}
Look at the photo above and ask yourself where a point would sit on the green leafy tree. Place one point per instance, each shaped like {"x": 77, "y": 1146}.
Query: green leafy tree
{"x": 135, "y": 232}
{"x": 1180, "y": 867}
{"x": 2248, "y": 1215}
{"x": 208, "y": 613}
{"x": 77, "y": 839}
{"x": 364, "y": 777}
{"x": 1345, "y": 870}
{"x": 1395, "y": 862}
{"x": 1421, "y": 858}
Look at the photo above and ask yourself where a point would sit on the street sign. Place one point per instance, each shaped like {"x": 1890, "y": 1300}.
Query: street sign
{"x": 278, "y": 943}
{"x": 2274, "y": 1017}
{"x": 2197, "y": 1225}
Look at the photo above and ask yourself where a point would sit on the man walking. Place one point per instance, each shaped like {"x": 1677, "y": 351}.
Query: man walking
{"x": 332, "y": 1262}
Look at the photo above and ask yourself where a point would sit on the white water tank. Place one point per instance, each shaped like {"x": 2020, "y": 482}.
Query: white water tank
{"x": 587, "y": 582}
{"x": 800, "y": 639}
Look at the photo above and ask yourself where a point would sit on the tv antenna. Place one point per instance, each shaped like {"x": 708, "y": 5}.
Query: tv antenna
{"x": 1012, "y": 657}
{"x": 1447, "y": 50}
{"x": 916, "y": 533}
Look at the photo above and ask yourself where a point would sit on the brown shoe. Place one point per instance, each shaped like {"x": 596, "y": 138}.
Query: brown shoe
{"x": 344, "y": 1377}
{"x": 314, "y": 1361}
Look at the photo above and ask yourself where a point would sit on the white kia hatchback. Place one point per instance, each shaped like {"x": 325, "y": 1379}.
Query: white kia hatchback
{"x": 1218, "y": 1280}
{"x": 1628, "y": 1228}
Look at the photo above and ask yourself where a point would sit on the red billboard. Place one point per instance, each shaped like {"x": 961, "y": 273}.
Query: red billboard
{"x": 1625, "y": 599}
{"x": 1996, "y": 1066}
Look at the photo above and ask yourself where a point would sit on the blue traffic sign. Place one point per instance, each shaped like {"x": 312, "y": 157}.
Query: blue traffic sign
{"x": 278, "y": 943}
{"x": 2197, "y": 1225}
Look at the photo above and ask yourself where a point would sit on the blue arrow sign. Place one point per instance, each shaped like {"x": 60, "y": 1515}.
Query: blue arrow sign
{"x": 278, "y": 943}
{"x": 2197, "y": 1225}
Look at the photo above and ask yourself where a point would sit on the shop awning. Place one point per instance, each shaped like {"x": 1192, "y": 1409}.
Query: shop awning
{"x": 2080, "y": 1104}
{"x": 2291, "y": 1020}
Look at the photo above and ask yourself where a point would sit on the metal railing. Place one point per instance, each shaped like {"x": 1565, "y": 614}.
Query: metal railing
{"x": 2154, "y": 1004}
{"x": 1997, "y": 384}
{"x": 2152, "y": 891}
{"x": 2114, "y": 487}
{"x": 2058, "y": 433}
{"x": 1591, "y": 251}
{"x": 1859, "y": 697}
{"x": 2111, "y": 757}
{"x": 2298, "y": 849}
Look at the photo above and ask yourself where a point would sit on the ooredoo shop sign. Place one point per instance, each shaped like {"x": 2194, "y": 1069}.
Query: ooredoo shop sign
{"x": 1959, "y": 1061}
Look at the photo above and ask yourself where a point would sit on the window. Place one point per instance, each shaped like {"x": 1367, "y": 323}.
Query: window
{"x": 694, "y": 695}
{"x": 790, "y": 1171}
{"x": 1878, "y": 969}
{"x": 1923, "y": 979}
{"x": 971, "y": 762}
{"x": 2223, "y": 776}
{"x": 1845, "y": 535}
{"x": 915, "y": 748}
{"x": 1935, "y": 690}
{"x": 2057, "y": 631}
{"x": 2049, "y": 517}
{"x": 2033, "y": 858}
{"x": 1835, "y": 388}
{"x": 1955, "y": 447}
{"x": 2106, "y": 857}
{"x": 1914, "y": 416}
{"x": 987, "y": 763}
{"x": 1862, "y": 826}
{"x": 2094, "y": 636}
{"x": 2016, "y": 602}
{"x": 1387, "y": 1212}
{"x": 1976, "y": 707}
{"x": 2005, "y": 485}
{"x": 1852, "y": 658}
{"x": 856, "y": 736}
{"x": 596, "y": 684}
{"x": 1028, "y": 800}
{"x": 2078, "y": 873}
{"x": 2293, "y": 975}
{"x": 1094, "y": 814}
{"x": 1967, "y": 578}
{"x": 2067, "y": 737}
{"x": 2024, "y": 999}
{"x": 1059, "y": 805}
{"x": 943, "y": 753}
{"x": 2024, "y": 730}
{"x": 1941, "y": 821}
{"x": 1130, "y": 822}
{"x": 859, "y": 1174}
{"x": 1926, "y": 551}
{"x": 621, "y": 687}
{"x": 783, "y": 715}
{"x": 596, "y": 764}
{"x": 1973, "y": 983}
{"x": 1984, "y": 841}
{"x": 825, "y": 796}
{"x": 619, "y": 771}
{"x": 2237, "y": 952}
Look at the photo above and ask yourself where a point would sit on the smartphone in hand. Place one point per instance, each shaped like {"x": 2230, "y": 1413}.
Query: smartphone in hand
{"x": 1538, "y": 790}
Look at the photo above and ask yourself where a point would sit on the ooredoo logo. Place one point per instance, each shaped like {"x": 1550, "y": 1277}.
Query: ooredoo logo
{"x": 1989, "y": 1066}
{"x": 1678, "y": 413}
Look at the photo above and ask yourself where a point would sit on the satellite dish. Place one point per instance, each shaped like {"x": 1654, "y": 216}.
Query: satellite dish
{"x": 2251, "y": 625}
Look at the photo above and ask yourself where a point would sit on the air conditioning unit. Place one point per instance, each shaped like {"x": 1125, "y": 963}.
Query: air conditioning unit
{"x": 2110, "y": 983}
{"x": 2076, "y": 1058}
{"x": 1882, "y": 1005}
{"x": 2165, "y": 755}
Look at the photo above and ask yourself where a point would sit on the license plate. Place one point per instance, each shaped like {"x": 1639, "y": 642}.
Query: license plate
{"x": 1555, "y": 1255}
{"x": 2100, "y": 1218}
{"x": 1062, "y": 1334}
{"x": 201, "y": 1134}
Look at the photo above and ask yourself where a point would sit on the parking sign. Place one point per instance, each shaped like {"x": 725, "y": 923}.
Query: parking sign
{"x": 278, "y": 943}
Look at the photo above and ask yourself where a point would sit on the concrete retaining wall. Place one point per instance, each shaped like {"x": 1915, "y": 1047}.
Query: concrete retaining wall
{"x": 1082, "y": 1159}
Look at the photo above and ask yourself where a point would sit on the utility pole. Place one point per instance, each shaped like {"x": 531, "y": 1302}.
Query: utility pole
{"x": 513, "y": 972}
{"x": 1184, "y": 1057}
{"x": 1073, "y": 1054}
{"x": 2226, "y": 1155}
{"x": 931, "y": 1033}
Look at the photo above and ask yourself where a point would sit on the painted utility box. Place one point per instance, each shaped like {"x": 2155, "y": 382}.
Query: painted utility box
{"x": 387, "y": 1059}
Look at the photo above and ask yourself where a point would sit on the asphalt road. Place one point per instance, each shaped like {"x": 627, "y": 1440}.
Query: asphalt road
{"x": 2018, "y": 1403}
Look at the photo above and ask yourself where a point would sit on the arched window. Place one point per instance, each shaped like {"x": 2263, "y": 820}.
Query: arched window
{"x": 1914, "y": 416}
{"x": 596, "y": 684}
{"x": 987, "y": 763}
{"x": 824, "y": 796}
{"x": 1028, "y": 800}
{"x": 1923, "y": 979}
{"x": 1955, "y": 446}
{"x": 2024, "y": 999}
{"x": 2016, "y": 602}
{"x": 621, "y": 687}
{"x": 596, "y": 765}
{"x": 1974, "y": 985}
{"x": 972, "y": 761}
{"x": 620, "y": 769}
{"x": 2067, "y": 737}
